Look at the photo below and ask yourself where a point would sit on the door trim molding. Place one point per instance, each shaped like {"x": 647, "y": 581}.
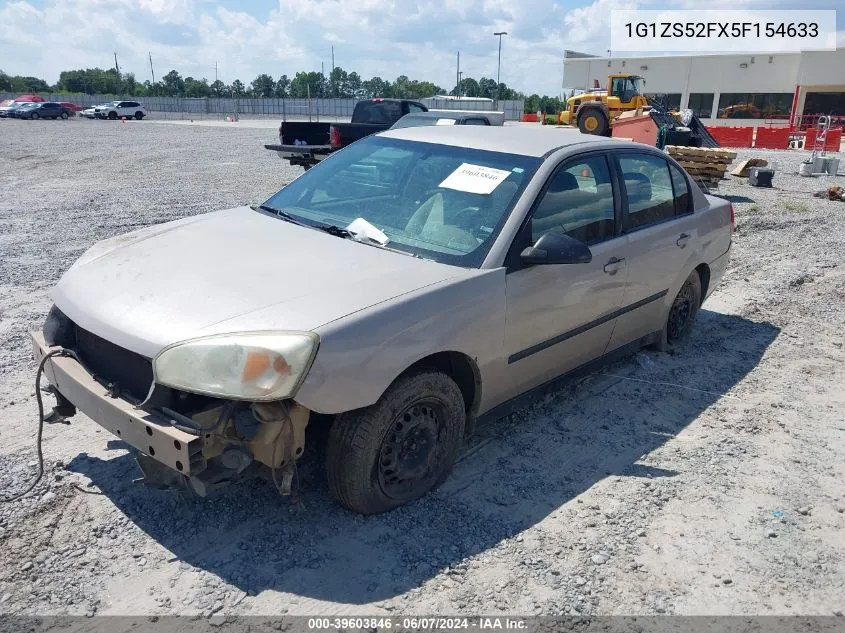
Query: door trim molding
{"x": 539, "y": 347}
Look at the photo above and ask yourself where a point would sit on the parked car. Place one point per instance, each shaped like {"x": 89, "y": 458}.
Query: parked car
{"x": 91, "y": 111}
{"x": 307, "y": 143}
{"x": 13, "y": 104}
{"x": 30, "y": 98}
{"x": 418, "y": 281}
{"x": 43, "y": 110}
{"x": 22, "y": 109}
{"x": 7, "y": 105}
{"x": 440, "y": 118}
{"x": 70, "y": 107}
{"x": 120, "y": 109}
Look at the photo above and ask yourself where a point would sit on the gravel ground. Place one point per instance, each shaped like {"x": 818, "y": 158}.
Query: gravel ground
{"x": 709, "y": 481}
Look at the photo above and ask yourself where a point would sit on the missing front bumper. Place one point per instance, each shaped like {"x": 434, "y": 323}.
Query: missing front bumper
{"x": 150, "y": 433}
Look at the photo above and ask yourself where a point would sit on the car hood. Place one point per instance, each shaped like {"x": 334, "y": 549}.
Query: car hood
{"x": 230, "y": 271}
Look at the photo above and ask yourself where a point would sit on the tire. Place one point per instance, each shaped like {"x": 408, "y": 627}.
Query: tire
{"x": 592, "y": 121}
{"x": 33, "y": 116}
{"x": 139, "y": 115}
{"x": 113, "y": 116}
{"x": 420, "y": 418}
{"x": 64, "y": 115}
{"x": 682, "y": 314}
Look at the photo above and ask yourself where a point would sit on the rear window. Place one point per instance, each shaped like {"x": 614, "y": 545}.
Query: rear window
{"x": 377, "y": 112}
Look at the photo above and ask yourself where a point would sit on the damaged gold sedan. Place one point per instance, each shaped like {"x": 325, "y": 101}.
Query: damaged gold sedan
{"x": 409, "y": 284}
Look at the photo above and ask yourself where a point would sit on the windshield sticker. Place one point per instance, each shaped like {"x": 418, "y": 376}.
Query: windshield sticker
{"x": 445, "y": 122}
{"x": 475, "y": 179}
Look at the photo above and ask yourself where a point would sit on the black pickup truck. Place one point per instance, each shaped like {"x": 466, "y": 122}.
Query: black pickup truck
{"x": 306, "y": 143}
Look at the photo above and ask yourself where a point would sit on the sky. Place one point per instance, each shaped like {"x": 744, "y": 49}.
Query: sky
{"x": 373, "y": 37}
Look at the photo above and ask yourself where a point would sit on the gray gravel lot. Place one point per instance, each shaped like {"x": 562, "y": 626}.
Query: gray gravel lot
{"x": 709, "y": 481}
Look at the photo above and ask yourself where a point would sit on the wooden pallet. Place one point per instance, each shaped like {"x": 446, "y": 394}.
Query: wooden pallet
{"x": 691, "y": 167}
{"x": 714, "y": 153}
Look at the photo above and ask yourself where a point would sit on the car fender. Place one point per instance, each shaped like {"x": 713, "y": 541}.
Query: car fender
{"x": 362, "y": 354}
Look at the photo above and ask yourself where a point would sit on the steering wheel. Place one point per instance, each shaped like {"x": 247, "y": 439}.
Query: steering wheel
{"x": 463, "y": 218}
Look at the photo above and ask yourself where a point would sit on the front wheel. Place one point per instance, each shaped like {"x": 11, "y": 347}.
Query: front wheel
{"x": 33, "y": 116}
{"x": 139, "y": 116}
{"x": 64, "y": 115}
{"x": 113, "y": 116}
{"x": 682, "y": 314}
{"x": 593, "y": 121}
{"x": 398, "y": 449}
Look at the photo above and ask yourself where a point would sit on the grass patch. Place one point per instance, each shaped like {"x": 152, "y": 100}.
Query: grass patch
{"x": 795, "y": 206}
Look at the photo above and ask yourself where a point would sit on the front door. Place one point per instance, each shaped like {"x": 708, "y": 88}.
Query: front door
{"x": 559, "y": 317}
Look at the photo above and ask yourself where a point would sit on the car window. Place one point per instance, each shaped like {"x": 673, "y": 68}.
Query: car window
{"x": 647, "y": 188}
{"x": 444, "y": 203}
{"x": 377, "y": 112}
{"x": 475, "y": 122}
{"x": 413, "y": 107}
{"x": 578, "y": 202}
{"x": 681, "y": 191}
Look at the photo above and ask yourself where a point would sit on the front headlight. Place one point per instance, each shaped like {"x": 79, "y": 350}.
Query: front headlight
{"x": 249, "y": 366}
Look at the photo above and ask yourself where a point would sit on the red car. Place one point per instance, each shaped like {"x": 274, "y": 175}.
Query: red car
{"x": 70, "y": 106}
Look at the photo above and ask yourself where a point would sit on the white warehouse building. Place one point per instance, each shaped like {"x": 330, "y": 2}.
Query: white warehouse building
{"x": 729, "y": 89}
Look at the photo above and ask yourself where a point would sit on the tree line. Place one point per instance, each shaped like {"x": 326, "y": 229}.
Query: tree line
{"x": 338, "y": 84}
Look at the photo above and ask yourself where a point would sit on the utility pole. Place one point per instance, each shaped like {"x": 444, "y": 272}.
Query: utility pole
{"x": 458, "y": 75}
{"x": 215, "y": 72}
{"x": 499, "y": 71}
{"x": 116, "y": 67}
{"x": 152, "y": 72}
{"x": 331, "y": 76}
{"x": 323, "y": 75}
{"x": 460, "y": 79}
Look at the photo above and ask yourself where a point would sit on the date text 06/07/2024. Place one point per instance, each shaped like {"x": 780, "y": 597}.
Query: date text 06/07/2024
{"x": 722, "y": 29}
{"x": 418, "y": 623}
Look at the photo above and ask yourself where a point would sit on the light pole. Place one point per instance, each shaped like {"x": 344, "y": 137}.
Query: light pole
{"x": 460, "y": 79}
{"x": 499, "y": 70}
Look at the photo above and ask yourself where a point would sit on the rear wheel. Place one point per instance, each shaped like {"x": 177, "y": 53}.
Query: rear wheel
{"x": 592, "y": 121}
{"x": 682, "y": 314}
{"x": 139, "y": 115}
{"x": 64, "y": 115}
{"x": 113, "y": 116}
{"x": 398, "y": 449}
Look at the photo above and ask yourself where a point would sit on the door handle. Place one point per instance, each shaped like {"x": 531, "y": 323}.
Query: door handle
{"x": 682, "y": 240}
{"x": 614, "y": 265}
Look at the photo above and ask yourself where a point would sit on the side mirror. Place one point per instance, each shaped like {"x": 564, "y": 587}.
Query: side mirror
{"x": 556, "y": 248}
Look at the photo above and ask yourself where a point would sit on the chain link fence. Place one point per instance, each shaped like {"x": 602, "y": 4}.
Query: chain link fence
{"x": 248, "y": 108}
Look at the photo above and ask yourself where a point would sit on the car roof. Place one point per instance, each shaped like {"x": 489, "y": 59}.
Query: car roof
{"x": 526, "y": 140}
{"x": 440, "y": 114}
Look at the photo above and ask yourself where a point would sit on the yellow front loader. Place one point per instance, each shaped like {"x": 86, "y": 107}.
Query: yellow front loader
{"x": 594, "y": 112}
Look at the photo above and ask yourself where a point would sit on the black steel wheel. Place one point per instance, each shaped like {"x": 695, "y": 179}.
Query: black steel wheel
{"x": 413, "y": 451}
{"x": 398, "y": 449}
{"x": 683, "y": 312}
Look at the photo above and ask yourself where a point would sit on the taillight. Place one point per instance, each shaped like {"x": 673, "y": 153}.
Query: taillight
{"x": 733, "y": 220}
{"x": 334, "y": 137}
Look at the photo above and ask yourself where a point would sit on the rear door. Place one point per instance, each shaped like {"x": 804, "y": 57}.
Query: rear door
{"x": 662, "y": 237}
{"x": 559, "y": 317}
